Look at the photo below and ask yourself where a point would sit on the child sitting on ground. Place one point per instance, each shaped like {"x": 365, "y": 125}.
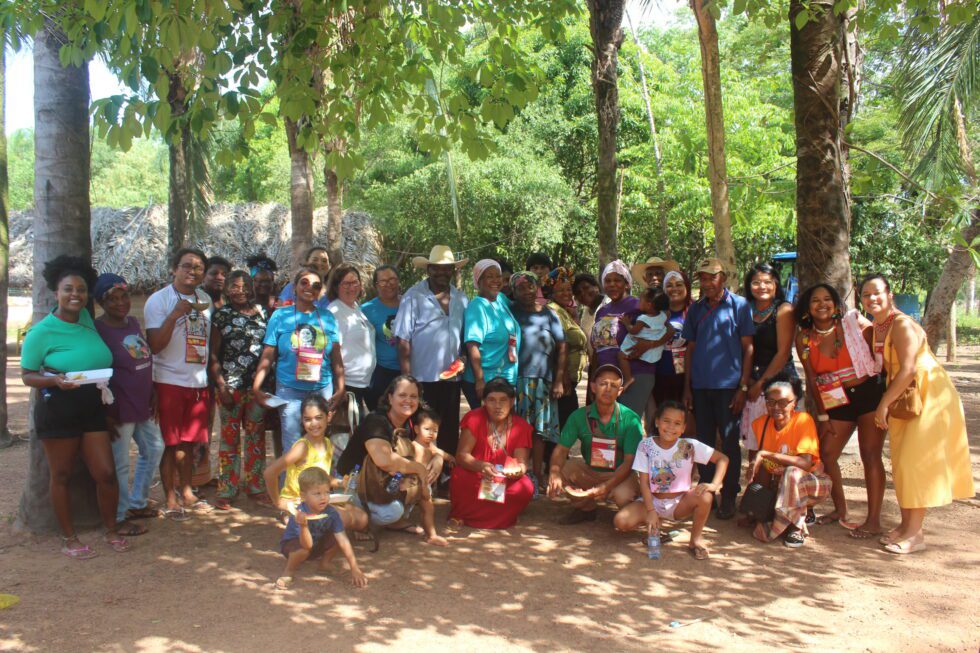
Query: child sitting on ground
{"x": 426, "y": 429}
{"x": 650, "y": 326}
{"x": 665, "y": 463}
{"x": 316, "y": 531}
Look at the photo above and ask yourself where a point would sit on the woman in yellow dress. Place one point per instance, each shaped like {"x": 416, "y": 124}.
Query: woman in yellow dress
{"x": 930, "y": 452}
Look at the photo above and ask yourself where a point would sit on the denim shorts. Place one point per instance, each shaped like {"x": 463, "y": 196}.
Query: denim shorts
{"x": 383, "y": 514}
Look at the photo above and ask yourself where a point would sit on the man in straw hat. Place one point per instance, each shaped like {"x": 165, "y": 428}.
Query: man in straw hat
{"x": 718, "y": 330}
{"x": 429, "y": 328}
{"x": 651, "y": 273}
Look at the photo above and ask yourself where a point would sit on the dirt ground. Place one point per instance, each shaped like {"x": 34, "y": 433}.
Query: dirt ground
{"x": 206, "y": 585}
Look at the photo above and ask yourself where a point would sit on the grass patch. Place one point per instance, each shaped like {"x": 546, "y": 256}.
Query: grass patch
{"x": 967, "y": 329}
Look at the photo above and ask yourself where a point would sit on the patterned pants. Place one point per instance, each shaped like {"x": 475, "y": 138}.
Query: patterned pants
{"x": 245, "y": 414}
{"x": 798, "y": 490}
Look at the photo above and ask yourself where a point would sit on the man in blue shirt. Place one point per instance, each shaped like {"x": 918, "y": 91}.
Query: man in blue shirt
{"x": 429, "y": 328}
{"x": 718, "y": 330}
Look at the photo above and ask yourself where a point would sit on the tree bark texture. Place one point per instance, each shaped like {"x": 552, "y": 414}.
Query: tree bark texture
{"x": 715, "y": 127}
{"x": 179, "y": 204}
{"x": 335, "y": 213}
{"x": 300, "y": 195}
{"x": 61, "y": 226}
{"x": 823, "y": 213}
{"x": 605, "y": 25}
{"x": 5, "y": 439}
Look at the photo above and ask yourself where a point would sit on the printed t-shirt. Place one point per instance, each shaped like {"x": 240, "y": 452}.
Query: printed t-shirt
{"x": 357, "y": 334}
{"x": 241, "y": 344}
{"x": 608, "y": 334}
{"x": 385, "y": 345}
{"x": 666, "y": 365}
{"x": 65, "y": 346}
{"x": 436, "y": 337}
{"x": 332, "y": 523}
{"x": 624, "y": 427}
{"x": 670, "y": 470}
{"x": 716, "y": 362}
{"x": 491, "y": 325}
{"x": 132, "y": 371}
{"x": 798, "y": 437}
{"x": 301, "y": 340}
{"x": 183, "y": 361}
{"x": 540, "y": 334}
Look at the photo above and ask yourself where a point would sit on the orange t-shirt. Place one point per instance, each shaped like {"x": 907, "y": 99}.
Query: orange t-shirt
{"x": 798, "y": 437}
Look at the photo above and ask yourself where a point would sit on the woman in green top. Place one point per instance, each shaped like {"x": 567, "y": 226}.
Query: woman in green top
{"x": 69, "y": 418}
{"x": 563, "y": 304}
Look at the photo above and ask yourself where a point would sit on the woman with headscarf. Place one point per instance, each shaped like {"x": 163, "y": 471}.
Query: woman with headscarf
{"x": 563, "y": 304}
{"x": 608, "y": 334}
{"x": 490, "y": 333}
{"x": 669, "y": 385}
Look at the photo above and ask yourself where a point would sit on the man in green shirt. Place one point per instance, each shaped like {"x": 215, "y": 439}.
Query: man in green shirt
{"x": 609, "y": 434}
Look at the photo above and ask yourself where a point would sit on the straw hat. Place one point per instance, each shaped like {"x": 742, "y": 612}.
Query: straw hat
{"x": 440, "y": 255}
{"x": 639, "y": 269}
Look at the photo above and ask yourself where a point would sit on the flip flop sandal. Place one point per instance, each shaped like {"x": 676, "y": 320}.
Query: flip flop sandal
{"x": 862, "y": 534}
{"x": 76, "y": 550}
{"x": 282, "y": 583}
{"x": 117, "y": 542}
{"x": 823, "y": 520}
{"x": 698, "y": 552}
{"x": 221, "y": 504}
{"x": 368, "y": 536}
{"x": 176, "y": 514}
{"x": 129, "y": 529}
{"x": 905, "y": 548}
{"x": 201, "y": 506}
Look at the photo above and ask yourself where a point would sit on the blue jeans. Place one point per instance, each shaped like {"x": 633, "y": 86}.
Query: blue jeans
{"x": 149, "y": 442}
{"x": 290, "y": 416}
{"x": 714, "y": 418}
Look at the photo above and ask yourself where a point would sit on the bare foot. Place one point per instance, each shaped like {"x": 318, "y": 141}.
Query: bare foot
{"x": 829, "y": 518}
{"x": 698, "y": 550}
{"x": 437, "y": 540}
{"x": 866, "y": 531}
{"x": 282, "y": 583}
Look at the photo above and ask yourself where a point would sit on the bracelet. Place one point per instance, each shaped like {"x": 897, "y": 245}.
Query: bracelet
{"x": 823, "y": 418}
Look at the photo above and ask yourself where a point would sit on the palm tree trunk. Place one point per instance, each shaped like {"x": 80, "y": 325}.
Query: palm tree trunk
{"x": 605, "y": 24}
{"x": 5, "y": 439}
{"x": 61, "y": 226}
{"x": 715, "y": 124}
{"x": 300, "y": 195}
{"x": 823, "y": 213}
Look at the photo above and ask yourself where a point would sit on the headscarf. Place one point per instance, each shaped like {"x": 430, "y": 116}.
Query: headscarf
{"x": 260, "y": 266}
{"x": 619, "y": 268}
{"x": 106, "y": 283}
{"x": 558, "y": 275}
{"x": 482, "y": 266}
{"x": 518, "y": 276}
{"x": 672, "y": 275}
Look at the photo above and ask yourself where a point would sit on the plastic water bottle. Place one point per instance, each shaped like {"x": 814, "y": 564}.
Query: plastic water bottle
{"x": 351, "y": 487}
{"x": 393, "y": 483}
{"x": 653, "y": 546}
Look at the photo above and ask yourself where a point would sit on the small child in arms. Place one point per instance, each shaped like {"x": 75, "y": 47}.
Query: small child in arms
{"x": 426, "y": 430}
{"x": 316, "y": 531}
{"x": 651, "y": 326}
{"x": 665, "y": 463}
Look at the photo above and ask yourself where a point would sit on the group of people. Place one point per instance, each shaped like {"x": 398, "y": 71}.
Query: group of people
{"x": 675, "y": 389}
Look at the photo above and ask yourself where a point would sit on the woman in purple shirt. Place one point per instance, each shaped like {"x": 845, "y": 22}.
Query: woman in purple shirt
{"x": 130, "y": 415}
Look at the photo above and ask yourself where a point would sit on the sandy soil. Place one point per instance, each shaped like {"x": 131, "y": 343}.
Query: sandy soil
{"x": 205, "y": 585}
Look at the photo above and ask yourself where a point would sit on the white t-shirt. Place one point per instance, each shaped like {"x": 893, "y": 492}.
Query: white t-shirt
{"x": 171, "y": 365}
{"x": 356, "y": 343}
{"x": 671, "y": 469}
{"x": 655, "y": 328}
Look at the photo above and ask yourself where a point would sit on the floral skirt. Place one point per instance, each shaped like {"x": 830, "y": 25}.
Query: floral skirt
{"x": 534, "y": 403}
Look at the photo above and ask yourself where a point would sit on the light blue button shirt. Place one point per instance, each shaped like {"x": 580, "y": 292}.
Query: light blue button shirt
{"x": 436, "y": 337}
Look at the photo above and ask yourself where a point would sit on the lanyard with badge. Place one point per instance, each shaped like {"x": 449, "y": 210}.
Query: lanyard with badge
{"x": 195, "y": 334}
{"x": 678, "y": 346}
{"x": 309, "y": 359}
{"x": 603, "y": 449}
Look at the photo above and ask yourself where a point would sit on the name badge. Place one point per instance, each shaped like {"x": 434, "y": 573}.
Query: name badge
{"x": 603, "y": 453}
{"x": 831, "y": 391}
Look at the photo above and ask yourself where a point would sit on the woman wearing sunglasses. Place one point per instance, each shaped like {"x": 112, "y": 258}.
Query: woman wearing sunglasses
{"x": 303, "y": 342}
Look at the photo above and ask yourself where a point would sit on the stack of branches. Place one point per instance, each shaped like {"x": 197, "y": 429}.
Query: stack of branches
{"x": 133, "y": 241}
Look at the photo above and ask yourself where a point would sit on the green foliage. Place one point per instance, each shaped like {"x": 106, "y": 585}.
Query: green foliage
{"x": 20, "y": 162}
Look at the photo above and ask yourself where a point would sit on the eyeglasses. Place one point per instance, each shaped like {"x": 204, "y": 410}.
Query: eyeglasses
{"x": 187, "y": 267}
{"x": 781, "y": 404}
{"x": 387, "y": 282}
{"x": 350, "y": 284}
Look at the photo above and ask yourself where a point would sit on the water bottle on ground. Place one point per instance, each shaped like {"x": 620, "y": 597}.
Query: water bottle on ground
{"x": 653, "y": 545}
{"x": 351, "y": 486}
{"x": 394, "y": 483}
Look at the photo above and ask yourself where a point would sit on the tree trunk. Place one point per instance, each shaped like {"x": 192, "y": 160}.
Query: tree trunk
{"x": 715, "y": 123}
{"x": 823, "y": 213}
{"x": 179, "y": 205}
{"x": 605, "y": 24}
{"x": 335, "y": 215}
{"x": 61, "y": 226}
{"x": 971, "y": 295}
{"x": 300, "y": 195}
{"x": 5, "y": 439}
{"x": 658, "y": 158}
{"x": 943, "y": 294}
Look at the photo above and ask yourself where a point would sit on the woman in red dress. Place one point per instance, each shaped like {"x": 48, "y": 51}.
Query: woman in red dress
{"x": 489, "y": 487}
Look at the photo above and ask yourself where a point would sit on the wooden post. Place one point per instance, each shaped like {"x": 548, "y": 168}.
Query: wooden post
{"x": 951, "y": 336}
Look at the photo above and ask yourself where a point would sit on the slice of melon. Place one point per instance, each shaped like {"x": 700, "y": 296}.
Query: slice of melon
{"x": 452, "y": 371}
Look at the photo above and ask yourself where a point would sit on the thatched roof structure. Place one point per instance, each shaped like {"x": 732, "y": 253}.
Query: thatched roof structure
{"x": 133, "y": 242}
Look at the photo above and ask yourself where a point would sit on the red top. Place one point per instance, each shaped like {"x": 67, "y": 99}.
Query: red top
{"x": 477, "y": 422}
{"x": 823, "y": 364}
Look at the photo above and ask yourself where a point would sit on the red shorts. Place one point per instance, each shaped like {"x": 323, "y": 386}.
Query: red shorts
{"x": 183, "y": 413}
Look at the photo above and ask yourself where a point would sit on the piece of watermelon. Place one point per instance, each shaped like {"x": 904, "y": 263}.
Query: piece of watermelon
{"x": 452, "y": 371}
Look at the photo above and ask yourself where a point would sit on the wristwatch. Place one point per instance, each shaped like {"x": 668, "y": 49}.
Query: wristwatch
{"x": 743, "y": 388}
{"x": 823, "y": 418}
